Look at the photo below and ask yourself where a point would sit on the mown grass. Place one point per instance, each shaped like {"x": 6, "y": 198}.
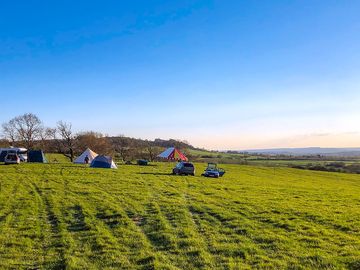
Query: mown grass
{"x": 64, "y": 216}
{"x": 56, "y": 158}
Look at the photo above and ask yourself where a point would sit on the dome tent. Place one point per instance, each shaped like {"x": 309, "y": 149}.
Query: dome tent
{"x": 103, "y": 162}
{"x": 36, "y": 156}
{"x": 87, "y": 153}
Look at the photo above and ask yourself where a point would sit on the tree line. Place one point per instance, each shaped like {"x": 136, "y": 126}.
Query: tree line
{"x": 28, "y": 131}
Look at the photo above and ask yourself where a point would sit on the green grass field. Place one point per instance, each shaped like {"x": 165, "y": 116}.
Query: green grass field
{"x": 269, "y": 161}
{"x": 63, "y": 216}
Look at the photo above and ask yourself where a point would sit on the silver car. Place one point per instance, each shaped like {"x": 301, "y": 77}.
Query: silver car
{"x": 184, "y": 168}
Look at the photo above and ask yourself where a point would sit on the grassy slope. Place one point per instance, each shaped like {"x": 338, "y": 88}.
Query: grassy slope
{"x": 61, "y": 215}
{"x": 56, "y": 158}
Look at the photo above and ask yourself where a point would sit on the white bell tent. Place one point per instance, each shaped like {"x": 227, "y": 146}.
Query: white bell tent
{"x": 87, "y": 153}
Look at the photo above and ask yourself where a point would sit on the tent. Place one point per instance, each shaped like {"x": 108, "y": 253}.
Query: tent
{"x": 36, "y": 156}
{"x": 103, "y": 162}
{"x": 87, "y": 153}
{"x": 173, "y": 154}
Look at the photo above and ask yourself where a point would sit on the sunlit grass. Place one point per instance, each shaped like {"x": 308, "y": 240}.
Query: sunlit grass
{"x": 56, "y": 216}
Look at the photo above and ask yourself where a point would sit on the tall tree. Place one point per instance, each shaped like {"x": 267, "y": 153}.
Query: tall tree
{"x": 67, "y": 140}
{"x": 152, "y": 150}
{"x": 26, "y": 129}
{"x": 9, "y": 132}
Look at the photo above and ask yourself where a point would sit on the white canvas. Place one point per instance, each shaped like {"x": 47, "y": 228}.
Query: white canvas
{"x": 88, "y": 152}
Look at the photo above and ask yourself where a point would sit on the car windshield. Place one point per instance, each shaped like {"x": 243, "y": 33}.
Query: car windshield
{"x": 211, "y": 166}
{"x": 188, "y": 165}
{"x": 179, "y": 165}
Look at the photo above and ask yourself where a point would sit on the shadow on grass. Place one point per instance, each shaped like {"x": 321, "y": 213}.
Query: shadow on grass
{"x": 76, "y": 166}
{"x": 3, "y": 164}
{"x": 155, "y": 173}
{"x": 78, "y": 220}
{"x": 137, "y": 165}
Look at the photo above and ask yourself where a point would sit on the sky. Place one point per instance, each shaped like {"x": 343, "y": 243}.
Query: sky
{"x": 220, "y": 74}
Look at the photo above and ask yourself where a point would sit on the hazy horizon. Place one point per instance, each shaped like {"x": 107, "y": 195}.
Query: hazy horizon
{"x": 221, "y": 75}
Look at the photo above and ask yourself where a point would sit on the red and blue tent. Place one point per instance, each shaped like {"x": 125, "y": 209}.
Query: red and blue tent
{"x": 173, "y": 154}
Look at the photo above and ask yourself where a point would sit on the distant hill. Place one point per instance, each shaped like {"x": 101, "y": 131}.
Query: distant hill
{"x": 344, "y": 152}
{"x": 157, "y": 142}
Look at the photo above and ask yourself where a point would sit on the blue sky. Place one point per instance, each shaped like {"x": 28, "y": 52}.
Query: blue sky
{"x": 220, "y": 74}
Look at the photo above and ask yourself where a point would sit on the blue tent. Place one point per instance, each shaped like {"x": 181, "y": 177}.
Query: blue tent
{"x": 103, "y": 162}
{"x": 36, "y": 156}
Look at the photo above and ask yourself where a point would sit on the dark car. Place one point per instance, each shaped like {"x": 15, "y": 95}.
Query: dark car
{"x": 213, "y": 171}
{"x": 184, "y": 168}
{"x": 142, "y": 162}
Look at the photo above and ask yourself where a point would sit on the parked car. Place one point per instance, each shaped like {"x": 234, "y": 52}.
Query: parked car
{"x": 184, "y": 168}
{"x": 142, "y": 162}
{"x": 213, "y": 171}
{"x": 12, "y": 158}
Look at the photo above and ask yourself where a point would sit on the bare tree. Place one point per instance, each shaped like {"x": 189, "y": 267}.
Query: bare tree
{"x": 50, "y": 141}
{"x": 50, "y": 133}
{"x": 9, "y": 132}
{"x": 66, "y": 143}
{"x": 26, "y": 128}
{"x": 123, "y": 147}
{"x": 152, "y": 150}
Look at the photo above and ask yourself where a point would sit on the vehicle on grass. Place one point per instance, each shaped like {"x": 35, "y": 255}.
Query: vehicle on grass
{"x": 12, "y": 158}
{"x": 184, "y": 168}
{"x": 213, "y": 171}
{"x": 21, "y": 152}
{"x": 142, "y": 162}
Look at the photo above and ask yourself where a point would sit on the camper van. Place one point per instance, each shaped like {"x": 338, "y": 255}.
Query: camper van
{"x": 21, "y": 152}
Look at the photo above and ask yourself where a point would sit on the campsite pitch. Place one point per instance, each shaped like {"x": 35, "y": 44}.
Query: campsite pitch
{"x": 64, "y": 216}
